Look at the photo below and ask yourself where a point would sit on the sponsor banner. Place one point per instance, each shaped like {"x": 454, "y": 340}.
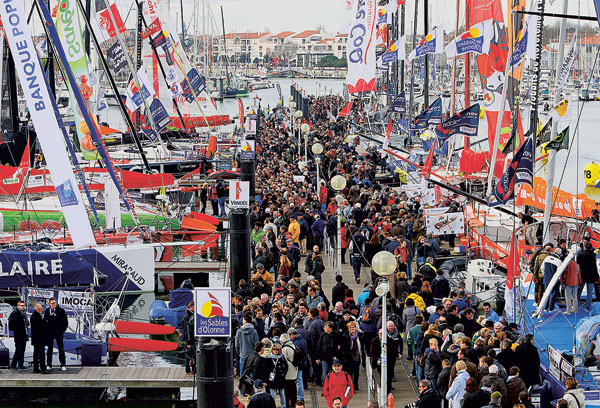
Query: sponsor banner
{"x": 465, "y": 123}
{"x": 239, "y": 194}
{"x": 558, "y": 366}
{"x": 432, "y": 43}
{"x": 399, "y": 104}
{"x": 213, "y": 312}
{"x": 361, "y": 48}
{"x": 476, "y": 39}
{"x": 248, "y": 150}
{"x": 251, "y": 127}
{"x": 74, "y": 303}
{"x": 69, "y": 30}
{"x": 397, "y": 51}
{"x": 134, "y": 97}
{"x": 435, "y": 210}
{"x": 117, "y": 56}
{"x": 520, "y": 170}
{"x": 105, "y": 21}
{"x": 131, "y": 266}
{"x": 525, "y": 45}
{"x": 430, "y": 116}
{"x": 568, "y": 62}
{"x": 161, "y": 119}
{"x": 197, "y": 85}
{"x": 153, "y": 28}
{"x": 447, "y": 223}
{"x": 20, "y": 268}
{"x": 39, "y": 102}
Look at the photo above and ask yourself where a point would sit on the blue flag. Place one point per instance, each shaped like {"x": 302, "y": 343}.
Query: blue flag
{"x": 464, "y": 123}
{"x": 430, "y": 116}
{"x": 520, "y": 170}
{"x": 399, "y": 104}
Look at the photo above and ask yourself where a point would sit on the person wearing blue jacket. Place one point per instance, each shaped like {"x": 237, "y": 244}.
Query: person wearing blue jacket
{"x": 245, "y": 340}
{"x": 300, "y": 343}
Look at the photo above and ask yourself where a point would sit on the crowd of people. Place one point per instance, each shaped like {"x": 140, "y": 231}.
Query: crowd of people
{"x": 292, "y": 334}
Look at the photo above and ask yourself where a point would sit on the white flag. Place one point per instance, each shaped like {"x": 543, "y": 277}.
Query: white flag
{"x": 568, "y": 62}
{"x": 476, "y": 39}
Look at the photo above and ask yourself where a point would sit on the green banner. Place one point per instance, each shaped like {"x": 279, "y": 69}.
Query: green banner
{"x": 69, "y": 29}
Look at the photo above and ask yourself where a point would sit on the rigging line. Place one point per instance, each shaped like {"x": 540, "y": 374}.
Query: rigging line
{"x": 576, "y": 131}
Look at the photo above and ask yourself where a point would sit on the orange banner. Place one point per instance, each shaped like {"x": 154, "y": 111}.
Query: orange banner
{"x": 566, "y": 204}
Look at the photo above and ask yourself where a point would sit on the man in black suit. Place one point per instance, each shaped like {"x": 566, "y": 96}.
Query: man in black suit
{"x": 18, "y": 324}
{"x": 56, "y": 324}
{"x": 38, "y": 339}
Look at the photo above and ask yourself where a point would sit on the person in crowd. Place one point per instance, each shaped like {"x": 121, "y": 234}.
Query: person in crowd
{"x": 514, "y": 387}
{"x": 256, "y": 367}
{"x": 260, "y": 399}
{"x": 528, "y": 361}
{"x": 339, "y": 290}
{"x": 277, "y": 377}
{"x": 245, "y": 339}
{"x": 493, "y": 381}
{"x": 538, "y": 273}
{"x": 489, "y": 313}
{"x": 338, "y": 384}
{"x": 573, "y": 395}
{"x": 495, "y": 400}
{"x": 588, "y": 268}
{"x": 443, "y": 381}
{"x": 354, "y": 359}
{"x": 56, "y": 322}
{"x": 189, "y": 336}
{"x": 571, "y": 280}
{"x": 39, "y": 339}
{"x": 428, "y": 397}
{"x": 236, "y": 397}
{"x": 19, "y": 325}
{"x": 440, "y": 287}
{"x": 289, "y": 350}
{"x": 524, "y": 400}
{"x": 433, "y": 363}
{"x": 475, "y": 397}
{"x": 458, "y": 387}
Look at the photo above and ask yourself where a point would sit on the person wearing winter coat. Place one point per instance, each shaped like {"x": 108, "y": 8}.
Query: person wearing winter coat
{"x": 354, "y": 357}
{"x": 392, "y": 355}
{"x": 56, "y": 322}
{"x": 493, "y": 381}
{"x": 19, "y": 325}
{"x": 256, "y": 367}
{"x": 288, "y": 350}
{"x": 588, "y": 270}
{"x": 571, "y": 279}
{"x": 39, "y": 339}
{"x": 409, "y": 313}
{"x": 433, "y": 363}
{"x": 428, "y": 397}
{"x": 528, "y": 361}
{"x": 187, "y": 325}
{"x": 514, "y": 386}
{"x": 573, "y": 395}
{"x": 245, "y": 339}
{"x": 440, "y": 287}
{"x": 457, "y": 389}
{"x": 549, "y": 267}
{"x": 338, "y": 384}
{"x": 338, "y": 292}
{"x": 261, "y": 399}
{"x": 475, "y": 397}
{"x": 328, "y": 348}
{"x": 314, "y": 264}
{"x": 443, "y": 380}
{"x": 279, "y": 368}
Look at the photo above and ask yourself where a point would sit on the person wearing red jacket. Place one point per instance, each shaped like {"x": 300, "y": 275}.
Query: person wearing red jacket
{"x": 338, "y": 384}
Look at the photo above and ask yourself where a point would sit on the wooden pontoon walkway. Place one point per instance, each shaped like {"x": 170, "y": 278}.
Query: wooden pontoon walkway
{"x": 100, "y": 377}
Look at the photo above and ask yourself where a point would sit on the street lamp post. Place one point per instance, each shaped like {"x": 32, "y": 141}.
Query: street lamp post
{"x": 338, "y": 183}
{"x": 317, "y": 149}
{"x": 298, "y": 115}
{"x": 305, "y": 128}
{"x": 384, "y": 264}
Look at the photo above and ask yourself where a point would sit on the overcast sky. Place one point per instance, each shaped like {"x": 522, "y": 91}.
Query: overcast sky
{"x": 296, "y": 15}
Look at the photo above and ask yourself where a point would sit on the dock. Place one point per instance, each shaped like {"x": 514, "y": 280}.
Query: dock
{"x": 99, "y": 377}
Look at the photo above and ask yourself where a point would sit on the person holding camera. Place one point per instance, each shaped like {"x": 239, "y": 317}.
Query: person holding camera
{"x": 428, "y": 397}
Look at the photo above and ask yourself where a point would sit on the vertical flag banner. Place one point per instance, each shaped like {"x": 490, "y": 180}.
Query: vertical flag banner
{"x": 361, "y": 49}
{"x": 37, "y": 95}
{"x": 430, "y": 116}
{"x": 561, "y": 141}
{"x": 525, "y": 46}
{"x": 397, "y": 51}
{"x": 464, "y": 123}
{"x": 520, "y": 170}
{"x": 69, "y": 29}
{"x": 388, "y": 133}
{"x": 105, "y": 22}
{"x": 432, "y": 43}
{"x": 476, "y": 39}
{"x": 568, "y": 62}
{"x": 241, "y": 112}
{"x": 399, "y": 104}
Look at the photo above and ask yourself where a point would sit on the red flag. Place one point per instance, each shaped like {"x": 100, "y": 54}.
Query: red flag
{"x": 241, "y": 108}
{"x": 426, "y": 169}
{"x": 105, "y": 22}
{"x": 212, "y": 146}
{"x": 346, "y": 111}
{"x": 153, "y": 28}
{"x": 388, "y": 132}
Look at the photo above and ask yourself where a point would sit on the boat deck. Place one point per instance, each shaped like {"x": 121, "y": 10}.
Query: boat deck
{"x": 99, "y": 377}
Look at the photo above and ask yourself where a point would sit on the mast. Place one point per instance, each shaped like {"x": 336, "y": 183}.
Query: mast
{"x": 138, "y": 60}
{"x": 412, "y": 72}
{"x": 113, "y": 86}
{"x": 224, "y": 45}
{"x": 402, "y": 24}
{"x": 426, "y": 60}
{"x": 182, "y": 23}
{"x": 51, "y": 76}
{"x": 552, "y": 152}
{"x": 454, "y": 63}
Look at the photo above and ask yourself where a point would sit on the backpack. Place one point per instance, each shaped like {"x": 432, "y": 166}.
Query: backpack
{"x": 367, "y": 315}
{"x": 299, "y": 355}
